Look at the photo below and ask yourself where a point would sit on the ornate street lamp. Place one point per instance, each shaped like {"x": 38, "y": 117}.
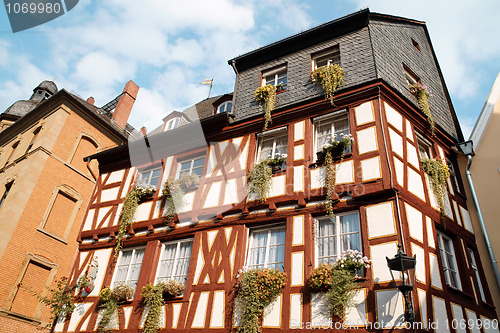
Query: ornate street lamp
{"x": 404, "y": 266}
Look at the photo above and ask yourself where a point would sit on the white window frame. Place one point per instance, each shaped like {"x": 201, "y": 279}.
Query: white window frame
{"x": 410, "y": 77}
{"x": 127, "y": 279}
{"x": 449, "y": 259}
{"x": 333, "y": 53}
{"x": 276, "y": 72}
{"x": 183, "y": 277}
{"x": 274, "y": 134}
{"x": 172, "y": 124}
{"x": 423, "y": 145}
{"x": 223, "y": 107}
{"x": 191, "y": 160}
{"x": 266, "y": 262}
{"x": 337, "y": 235}
{"x": 337, "y": 116}
{"x": 149, "y": 171}
{"x": 473, "y": 265}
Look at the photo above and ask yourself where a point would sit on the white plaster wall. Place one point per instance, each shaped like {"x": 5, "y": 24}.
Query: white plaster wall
{"x": 142, "y": 212}
{"x": 396, "y": 142}
{"x": 466, "y": 219}
{"x": 231, "y": 193}
{"x": 295, "y": 310}
{"x": 367, "y": 140}
{"x": 400, "y": 168}
{"x": 379, "y": 264}
{"x": 422, "y": 300}
{"x": 272, "y": 314}
{"x": 415, "y": 184}
{"x": 320, "y": 315}
{"x": 278, "y": 186}
{"x": 458, "y": 316}
{"x": 412, "y": 155}
{"x": 298, "y": 152}
{"x": 297, "y": 269}
{"x": 355, "y": 315}
{"x": 435, "y": 271}
{"x": 420, "y": 273}
{"x": 345, "y": 173}
{"x": 298, "y": 131}
{"x": 393, "y": 117}
{"x": 415, "y": 224}
{"x": 380, "y": 220}
{"x": 390, "y": 308}
{"x": 430, "y": 233}
{"x": 298, "y": 230}
{"x": 364, "y": 114}
{"x": 201, "y": 311}
{"x": 317, "y": 178}
{"x": 298, "y": 178}
{"x": 176, "y": 311}
{"x": 212, "y": 199}
{"x": 109, "y": 194}
{"x": 471, "y": 315}
{"x": 440, "y": 315}
{"x": 102, "y": 261}
{"x": 217, "y": 317}
{"x": 370, "y": 169}
{"x": 88, "y": 220}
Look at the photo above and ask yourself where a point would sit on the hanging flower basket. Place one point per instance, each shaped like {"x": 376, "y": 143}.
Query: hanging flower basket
{"x": 330, "y": 78}
{"x": 277, "y": 162}
{"x": 259, "y": 180}
{"x": 422, "y": 94}
{"x": 266, "y": 97}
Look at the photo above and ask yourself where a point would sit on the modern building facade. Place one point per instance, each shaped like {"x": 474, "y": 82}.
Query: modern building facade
{"x": 383, "y": 195}
{"x": 45, "y": 187}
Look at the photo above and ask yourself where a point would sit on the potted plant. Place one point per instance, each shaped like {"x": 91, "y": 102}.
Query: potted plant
{"x": 256, "y": 289}
{"x": 173, "y": 194}
{"x": 259, "y": 180}
{"x": 277, "y": 162}
{"x": 333, "y": 149}
{"x": 145, "y": 191}
{"x": 171, "y": 288}
{"x": 339, "y": 279}
{"x": 438, "y": 175}
{"x": 422, "y": 94}
{"x": 330, "y": 78}
{"x": 110, "y": 300}
{"x": 266, "y": 96}
{"x": 153, "y": 299}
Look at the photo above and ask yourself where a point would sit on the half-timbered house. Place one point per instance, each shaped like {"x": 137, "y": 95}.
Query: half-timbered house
{"x": 383, "y": 197}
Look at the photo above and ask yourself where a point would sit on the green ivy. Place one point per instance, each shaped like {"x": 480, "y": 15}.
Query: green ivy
{"x": 330, "y": 78}
{"x": 266, "y": 95}
{"x": 259, "y": 180}
{"x": 438, "y": 175}
{"x": 340, "y": 295}
{"x": 153, "y": 298}
{"x": 255, "y": 291}
{"x": 128, "y": 212}
{"x": 59, "y": 299}
{"x": 109, "y": 304}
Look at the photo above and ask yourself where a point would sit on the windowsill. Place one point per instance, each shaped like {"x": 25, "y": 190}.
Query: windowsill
{"x": 50, "y": 234}
{"x": 23, "y": 318}
{"x": 319, "y": 163}
{"x": 460, "y": 292}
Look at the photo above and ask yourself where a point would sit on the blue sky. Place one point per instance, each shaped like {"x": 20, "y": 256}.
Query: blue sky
{"x": 169, "y": 47}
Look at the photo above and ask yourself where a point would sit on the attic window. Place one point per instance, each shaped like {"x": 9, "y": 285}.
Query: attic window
{"x": 276, "y": 77}
{"x": 172, "y": 123}
{"x": 225, "y": 107}
{"x": 411, "y": 78}
{"x": 328, "y": 57}
{"x": 415, "y": 44}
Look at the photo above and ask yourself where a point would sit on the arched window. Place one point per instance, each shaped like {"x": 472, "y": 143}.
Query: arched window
{"x": 172, "y": 123}
{"x": 225, "y": 107}
{"x": 85, "y": 145}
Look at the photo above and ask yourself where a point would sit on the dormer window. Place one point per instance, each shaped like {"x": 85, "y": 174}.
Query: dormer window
{"x": 326, "y": 58}
{"x": 411, "y": 78}
{"x": 172, "y": 123}
{"x": 225, "y": 107}
{"x": 276, "y": 77}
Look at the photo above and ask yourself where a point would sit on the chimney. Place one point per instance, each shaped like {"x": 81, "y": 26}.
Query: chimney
{"x": 91, "y": 100}
{"x": 125, "y": 103}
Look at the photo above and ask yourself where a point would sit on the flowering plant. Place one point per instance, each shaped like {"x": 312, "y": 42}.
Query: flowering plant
{"x": 266, "y": 95}
{"x": 278, "y": 159}
{"x": 321, "y": 277}
{"x": 145, "y": 190}
{"x": 254, "y": 292}
{"x": 330, "y": 78}
{"x": 337, "y": 147}
{"x": 438, "y": 173}
{"x": 422, "y": 94}
{"x": 352, "y": 260}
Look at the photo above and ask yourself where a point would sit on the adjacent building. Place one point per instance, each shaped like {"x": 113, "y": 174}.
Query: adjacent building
{"x": 45, "y": 187}
{"x": 485, "y": 170}
{"x": 383, "y": 197}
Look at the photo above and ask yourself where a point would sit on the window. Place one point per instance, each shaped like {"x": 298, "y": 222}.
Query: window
{"x": 225, "y": 107}
{"x": 174, "y": 260}
{"x": 473, "y": 265}
{"x": 326, "y": 58}
{"x": 453, "y": 174}
{"x": 275, "y": 77}
{"x": 415, "y": 44}
{"x": 267, "y": 248}
{"x": 424, "y": 147}
{"x": 326, "y": 127}
{"x": 172, "y": 123}
{"x": 411, "y": 78}
{"x": 11, "y": 154}
{"x": 150, "y": 177}
{"x": 449, "y": 261}
{"x": 272, "y": 144}
{"x": 128, "y": 267}
{"x": 333, "y": 237}
{"x": 33, "y": 139}
{"x": 193, "y": 166}
{"x": 8, "y": 186}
